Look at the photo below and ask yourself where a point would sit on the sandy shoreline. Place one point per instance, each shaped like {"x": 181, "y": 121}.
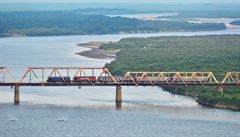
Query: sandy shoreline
{"x": 95, "y": 52}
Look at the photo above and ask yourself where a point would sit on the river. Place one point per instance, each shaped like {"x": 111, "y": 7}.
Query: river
{"x": 166, "y": 15}
{"x": 90, "y": 111}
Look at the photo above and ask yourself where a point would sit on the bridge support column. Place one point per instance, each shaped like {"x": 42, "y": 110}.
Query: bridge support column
{"x": 118, "y": 98}
{"x": 220, "y": 89}
{"x": 16, "y": 95}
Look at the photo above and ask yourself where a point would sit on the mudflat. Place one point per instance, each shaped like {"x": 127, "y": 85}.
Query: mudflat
{"x": 95, "y": 52}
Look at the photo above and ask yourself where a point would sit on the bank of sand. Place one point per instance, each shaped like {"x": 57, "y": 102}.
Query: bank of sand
{"x": 95, "y": 52}
{"x": 228, "y": 25}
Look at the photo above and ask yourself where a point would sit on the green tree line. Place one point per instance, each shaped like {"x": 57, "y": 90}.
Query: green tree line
{"x": 41, "y": 23}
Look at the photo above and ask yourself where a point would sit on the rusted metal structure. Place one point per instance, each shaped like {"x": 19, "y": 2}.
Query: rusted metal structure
{"x": 95, "y": 76}
{"x": 231, "y": 78}
{"x": 39, "y": 75}
{"x": 7, "y": 80}
{"x": 5, "y": 76}
{"x": 172, "y": 78}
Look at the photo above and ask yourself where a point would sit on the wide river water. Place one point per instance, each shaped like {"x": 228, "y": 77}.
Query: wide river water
{"x": 90, "y": 111}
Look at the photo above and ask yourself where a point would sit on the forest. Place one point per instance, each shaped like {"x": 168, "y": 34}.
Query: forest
{"x": 216, "y": 53}
{"x": 48, "y": 23}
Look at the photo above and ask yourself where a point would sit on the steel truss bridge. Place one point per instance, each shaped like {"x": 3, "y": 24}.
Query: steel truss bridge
{"x": 38, "y": 76}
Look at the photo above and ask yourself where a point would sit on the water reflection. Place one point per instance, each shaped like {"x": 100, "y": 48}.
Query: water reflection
{"x": 118, "y": 105}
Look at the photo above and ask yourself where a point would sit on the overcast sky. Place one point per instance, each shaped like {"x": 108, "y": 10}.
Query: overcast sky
{"x": 115, "y": 1}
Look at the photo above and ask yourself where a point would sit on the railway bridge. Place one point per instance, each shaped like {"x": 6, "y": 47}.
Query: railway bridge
{"x": 95, "y": 76}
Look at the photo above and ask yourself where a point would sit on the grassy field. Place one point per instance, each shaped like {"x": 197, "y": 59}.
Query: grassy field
{"x": 216, "y": 53}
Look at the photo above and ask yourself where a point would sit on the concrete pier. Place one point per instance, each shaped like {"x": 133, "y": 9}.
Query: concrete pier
{"x": 220, "y": 89}
{"x": 118, "y": 98}
{"x": 16, "y": 95}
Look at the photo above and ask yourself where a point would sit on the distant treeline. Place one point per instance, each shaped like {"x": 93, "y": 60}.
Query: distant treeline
{"x": 237, "y": 22}
{"x": 181, "y": 13}
{"x": 207, "y": 14}
{"x": 46, "y": 23}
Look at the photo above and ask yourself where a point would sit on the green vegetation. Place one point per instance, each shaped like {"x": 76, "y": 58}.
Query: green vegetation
{"x": 46, "y": 23}
{"x": 105, "y": 11}
{"x": 209, "y": 96}
{"x": 196, "y": 53}
{"x": 206, "y": 14}
{"x": 181, "y": 13}
{"x": 237, "y": 22}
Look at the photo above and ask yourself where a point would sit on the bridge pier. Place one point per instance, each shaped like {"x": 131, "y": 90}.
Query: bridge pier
{"x": 118, "y": 98}
{"x": 220, "y": 89}
{"x": 16, "y": 95}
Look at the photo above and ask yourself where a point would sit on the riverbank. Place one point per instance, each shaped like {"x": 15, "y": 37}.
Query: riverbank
{"x": 95, "y": 52}
{"x": 226, "y": 21}
{"x": 199, "y": 94}
{"x": 220, "y": 106}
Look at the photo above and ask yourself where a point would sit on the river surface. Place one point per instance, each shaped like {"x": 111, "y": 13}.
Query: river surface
{"x": 147, "y": 15}
{"x": 90, "y": 111}
{"x": 154, "y": 16}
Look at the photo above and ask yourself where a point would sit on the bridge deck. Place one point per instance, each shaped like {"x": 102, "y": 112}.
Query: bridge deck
{"x": 93, "y": 76}
{"x": 114, "y": 84}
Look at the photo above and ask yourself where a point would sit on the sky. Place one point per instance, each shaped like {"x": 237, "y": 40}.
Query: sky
{"x": 116, "y": 1}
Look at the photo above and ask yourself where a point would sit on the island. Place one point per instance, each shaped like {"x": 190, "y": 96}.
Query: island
{"x": 52, "y": 23}
{"x": 213, "y": 53}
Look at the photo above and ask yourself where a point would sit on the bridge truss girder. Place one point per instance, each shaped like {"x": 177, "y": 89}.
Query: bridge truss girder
{"x": 5, "y": 76}
{"x": 40, "y": 73}
{"x": 171, "y": 78}
{"x": 231, "y": 78}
